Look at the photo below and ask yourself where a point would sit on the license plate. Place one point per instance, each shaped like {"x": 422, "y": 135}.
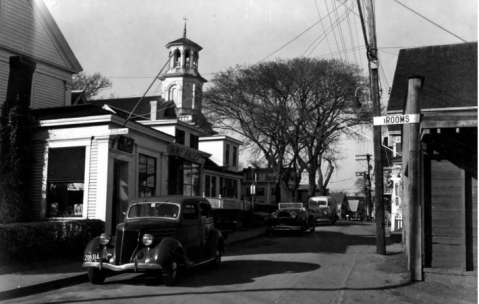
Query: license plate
{"x": 92, "y": 257}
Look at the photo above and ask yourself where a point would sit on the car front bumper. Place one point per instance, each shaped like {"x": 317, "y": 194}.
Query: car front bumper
{"x": 136, "y": 267}
{"x": 284, "y": 228}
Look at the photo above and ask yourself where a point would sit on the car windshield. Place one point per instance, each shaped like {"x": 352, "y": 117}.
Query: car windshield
{"x": 154, "y": 209}
{"x": 283, "y": 206}
{"x": 317, "y": 204}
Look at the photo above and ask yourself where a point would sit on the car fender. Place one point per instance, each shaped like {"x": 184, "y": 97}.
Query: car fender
{"x": 164, "y": 251}
{"x": 94, "y": 247}
{"x": 215, "y": 240}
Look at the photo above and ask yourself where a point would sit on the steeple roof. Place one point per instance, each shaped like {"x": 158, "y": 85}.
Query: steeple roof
{"x": 184, "y": 41}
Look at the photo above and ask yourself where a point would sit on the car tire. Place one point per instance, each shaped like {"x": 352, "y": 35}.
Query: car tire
{"x": 95, "y": 275}
{"x": 215, "y": 263}
{"x": 171, "y": 272}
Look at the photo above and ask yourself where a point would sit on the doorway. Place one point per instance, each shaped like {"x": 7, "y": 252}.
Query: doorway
{"x": 120, "y": 193}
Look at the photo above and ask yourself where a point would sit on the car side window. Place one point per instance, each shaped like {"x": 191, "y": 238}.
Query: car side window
{"x": 190, "y": 211}
{"x": 205, "y": 211}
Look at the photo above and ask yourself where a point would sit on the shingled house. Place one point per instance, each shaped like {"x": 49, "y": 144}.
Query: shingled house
{"x": 448, "y": 153}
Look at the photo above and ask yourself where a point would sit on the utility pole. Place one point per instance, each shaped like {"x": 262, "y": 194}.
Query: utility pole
{"x": 367, "y": 178}
{"x": 378, "y": 166}
{"x": 414, "y": 193}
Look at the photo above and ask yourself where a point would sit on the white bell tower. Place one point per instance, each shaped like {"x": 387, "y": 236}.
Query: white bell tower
{"x": 182, "y": 83}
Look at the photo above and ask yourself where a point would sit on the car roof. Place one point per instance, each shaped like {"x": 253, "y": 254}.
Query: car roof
{"x": 179, "y": 199}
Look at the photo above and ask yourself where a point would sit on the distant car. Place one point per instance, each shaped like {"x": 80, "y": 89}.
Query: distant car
{"x": 324, "y": 209}
{"x": 161, "y": 235}
{"x": 356, "y": 216}
{"x": 290, "y": 217}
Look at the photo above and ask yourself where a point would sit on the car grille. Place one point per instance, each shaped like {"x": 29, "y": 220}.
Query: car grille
{"x": 287, "y": 221}
{"x": 126, "y": 243}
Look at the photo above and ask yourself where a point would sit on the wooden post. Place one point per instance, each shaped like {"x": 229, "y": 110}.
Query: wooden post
{"x": 415, "y": 248}
{"x": 378, "y": 166}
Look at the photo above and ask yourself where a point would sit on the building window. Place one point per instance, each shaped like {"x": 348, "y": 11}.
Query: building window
{"x": 183, "y": 177}
{"x": 194, "y": 141}
{"x": 146, "y": 176}
{"x": 180, "y": 136}
{"x": 173, "y": 92}
{"x": 210, "y": 186}
{"x": 227, "y": 155}
{"x": 235, "y": 152}
{"x": 65, "y": 182}
{"x": 228, "y": 187}
{"x": 206, "y": 212}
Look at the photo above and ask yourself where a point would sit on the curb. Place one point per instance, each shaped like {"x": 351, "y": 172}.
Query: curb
{"x": 83, "y": 277}
{"x": 44, "y": 286}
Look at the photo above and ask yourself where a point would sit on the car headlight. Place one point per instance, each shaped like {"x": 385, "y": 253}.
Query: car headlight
{"x": 147, "y": 239}
{"x": 274, "y": 215}
{"x": 294, "y": 214}
{"x": 325, "y": 212}
{"x": 105, "y": 238}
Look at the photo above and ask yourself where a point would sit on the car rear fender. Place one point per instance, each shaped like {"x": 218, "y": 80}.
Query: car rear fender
{"x": 216, "y": 241}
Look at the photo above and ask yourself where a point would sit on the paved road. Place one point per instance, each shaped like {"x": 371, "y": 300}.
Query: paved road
{"x": 331, "y": 265}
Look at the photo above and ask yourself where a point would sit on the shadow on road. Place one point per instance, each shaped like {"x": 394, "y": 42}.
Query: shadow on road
{"x": 325, "y": 239}
{"x": 245, "y": 271}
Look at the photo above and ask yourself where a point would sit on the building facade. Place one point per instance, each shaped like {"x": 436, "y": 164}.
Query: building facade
{"x": 92, "y": 157}
{"x": 438, "y": 174}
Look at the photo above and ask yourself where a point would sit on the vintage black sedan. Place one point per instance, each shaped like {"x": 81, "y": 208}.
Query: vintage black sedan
{"x": 290, "y": 217}
{"x": 161, "y": 235}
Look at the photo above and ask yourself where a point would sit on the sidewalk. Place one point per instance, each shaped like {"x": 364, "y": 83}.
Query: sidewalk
{"x": 43, "y": 277}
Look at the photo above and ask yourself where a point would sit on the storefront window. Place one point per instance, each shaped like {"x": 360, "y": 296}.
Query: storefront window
{"x": 65, "y": 182}
{"x": 147, "y": 176}
{"x": 183, "y": 178}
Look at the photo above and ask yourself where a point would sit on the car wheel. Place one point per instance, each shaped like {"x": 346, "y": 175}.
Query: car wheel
{"x": 171, "y": 272}
{"x": 217, "y": 260}
{"x": 95, "y": 275}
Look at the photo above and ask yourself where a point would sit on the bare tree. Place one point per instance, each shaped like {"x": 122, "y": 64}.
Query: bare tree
{"x": 91, "y": 84}
{"x": 292, "y": 111}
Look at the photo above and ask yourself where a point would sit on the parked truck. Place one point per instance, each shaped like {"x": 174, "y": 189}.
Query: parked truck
{"x": 324, "y": 209}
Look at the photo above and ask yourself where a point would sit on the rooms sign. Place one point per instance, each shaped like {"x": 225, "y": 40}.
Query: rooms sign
{"x": 396, "y": 119}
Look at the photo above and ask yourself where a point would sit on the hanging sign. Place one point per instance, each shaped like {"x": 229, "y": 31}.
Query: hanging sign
{"x": 396, "y": 119}
{"x": 126, "y": 144}
{"x": 118, "y": 131}
{"x": 185, "y": 152}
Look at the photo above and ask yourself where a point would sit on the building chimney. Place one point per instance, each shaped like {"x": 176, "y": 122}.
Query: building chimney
{"x": 153, "y": 109}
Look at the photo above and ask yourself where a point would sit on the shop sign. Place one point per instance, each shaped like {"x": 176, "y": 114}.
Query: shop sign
{"x": 186, "y": 117}
{"x": 125, "y": 144}
{"x": 185, "y": 153}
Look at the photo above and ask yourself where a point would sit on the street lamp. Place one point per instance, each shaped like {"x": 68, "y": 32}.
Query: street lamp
{"x": 356, "y": 103}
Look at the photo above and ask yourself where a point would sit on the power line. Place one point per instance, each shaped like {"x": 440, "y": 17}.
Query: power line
{"x": 430, "y": 21}
{"x": 291, "y": 40}
{"x": 351, "y": 38}
{"x": 322, "y": 25}
{"x": 334, "y": 33}
{"x": 331, "y": 29}
{"x": 341, "y": 36}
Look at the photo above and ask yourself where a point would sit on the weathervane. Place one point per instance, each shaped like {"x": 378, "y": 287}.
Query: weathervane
{"x": 184, "y": 31}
